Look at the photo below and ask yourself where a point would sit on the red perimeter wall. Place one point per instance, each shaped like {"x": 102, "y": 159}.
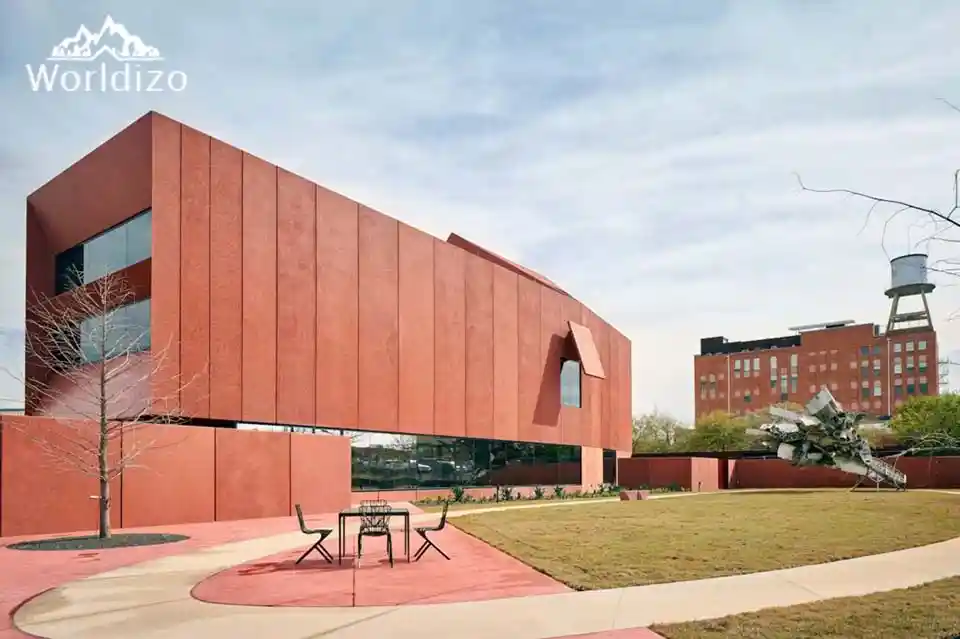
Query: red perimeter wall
{"x": 705, "y": 473}
{"x": 184, "y": 474}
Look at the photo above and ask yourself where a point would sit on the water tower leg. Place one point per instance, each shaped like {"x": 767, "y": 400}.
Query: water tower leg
{"x": 893, "y": 313}
{"x": 926, "y": 309}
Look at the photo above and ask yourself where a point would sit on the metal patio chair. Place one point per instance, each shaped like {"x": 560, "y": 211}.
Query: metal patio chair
{"x": 427, "y": 543}
{"x": 318, "y": 546}
{"x": 375, "y": 522}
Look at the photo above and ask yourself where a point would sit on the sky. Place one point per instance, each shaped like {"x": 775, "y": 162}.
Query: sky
{"x": 643, "y": 155}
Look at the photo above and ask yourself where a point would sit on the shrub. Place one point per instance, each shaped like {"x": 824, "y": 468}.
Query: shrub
{"x": 458, "y": 493}
{"x": 558, "y": 492}
{"x": 506, "y": 493}
{"x": 538, "y": 492}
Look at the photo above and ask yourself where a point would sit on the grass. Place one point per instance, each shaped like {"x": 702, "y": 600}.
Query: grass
{"x": 611, "y": 545}
{"x": 473, "y": 505}
{"x": 931, "y": 611}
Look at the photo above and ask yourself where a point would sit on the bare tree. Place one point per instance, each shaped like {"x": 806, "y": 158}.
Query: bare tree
{"x": 936, "y": 224}
{"x": 89, "y": 358}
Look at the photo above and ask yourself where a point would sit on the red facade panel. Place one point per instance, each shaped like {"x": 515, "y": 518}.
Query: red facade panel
{"x": 172, "y": 481}
{"x": 479, "y": 347}
{"x": 416, "y": 331}
{"x": 505, "y": 356}
{"x": 195, "y": 276}
{"x": 624, "y": 439}
{"x": 44, "y": 493}
{"x": 259, "y": 273}
{"x": 614, "y": 389}
{"x": 379, "y": 353}
{"x": 319, "y": 474}
{"x": 296, "y": 299}
{"x": 571, "y": 417}
{"x": 530, "y": 363}
{"x": 75, "y": 205}
{"x": 602, "y": 339}
{"x": 449, "y": 340}
{"x": 337, "y": 311}
{"x": 592, "y": 387}
{"x": 552, "y": 348}
{"x": 226, "y": 281}
{"x": 165, "y": 269}
{"x": 252, "y": 474}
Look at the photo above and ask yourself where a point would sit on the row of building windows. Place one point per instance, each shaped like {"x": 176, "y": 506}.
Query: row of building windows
{"x": 912, "y": 385}
{"x": 750, "y": 366}
{"x": 109, "y": 252}
{"x": 386, "y": 461}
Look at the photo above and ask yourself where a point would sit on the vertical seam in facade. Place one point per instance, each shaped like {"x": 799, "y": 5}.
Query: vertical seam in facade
{"x": 276, "y": 296}
{"x": 357, "y": 425}
{"x": 398, "y": 329}
{"x": 466, "y": 340}
{"x": 179, "y": 376}
{"x": 315, "y": 256}
{"x": 242, "y": 177}
{"x": 209, "y": 366}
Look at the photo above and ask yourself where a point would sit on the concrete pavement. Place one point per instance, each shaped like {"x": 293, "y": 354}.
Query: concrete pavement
{"x": 152, "y": 600}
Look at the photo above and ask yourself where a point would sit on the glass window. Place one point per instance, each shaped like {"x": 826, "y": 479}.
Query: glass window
{"x": 876, "y": 349}
{"x": 864, "y": 350}
{"x": 897, "y": 347}
{"x": 877, "y": 389}
{"x": 121, "y": 331}
{"x": 386, "y": 461}
{"x": 909, "y": 347}
{"x": 69, "y": 269}
{"x": 570, "y": 383}
{"x": 736, "y": 364}
{"x": 922, "y": 345}
{"x": 139, "y": 238}
{"x": 923, "y": 388}
{"x": 112, "y": 250}
{"x": 794, "y": 360}
{"x": 773, "y": 367}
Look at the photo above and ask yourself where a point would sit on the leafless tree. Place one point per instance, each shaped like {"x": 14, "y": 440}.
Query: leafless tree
{"x": 935, "y": 224}
{"x": 88, "y": 359}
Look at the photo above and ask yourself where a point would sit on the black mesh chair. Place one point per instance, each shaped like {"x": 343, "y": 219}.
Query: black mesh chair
{"x": 374, "y": 522}
{"x": 323, "y": 532}
{"x": 427, "y": 543}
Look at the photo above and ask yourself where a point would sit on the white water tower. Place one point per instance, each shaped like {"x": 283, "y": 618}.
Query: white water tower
{"x": 908, "y": 279}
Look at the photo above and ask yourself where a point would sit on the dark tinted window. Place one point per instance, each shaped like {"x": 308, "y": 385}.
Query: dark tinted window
{"x": 384, "y": 461}
{"x": 106, "y": 253}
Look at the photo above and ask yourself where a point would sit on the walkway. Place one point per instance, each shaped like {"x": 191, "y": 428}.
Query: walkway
{"x": 152, "y": 601}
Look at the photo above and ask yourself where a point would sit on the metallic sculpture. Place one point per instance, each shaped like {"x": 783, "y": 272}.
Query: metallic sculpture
{"x": 827, "y": 436}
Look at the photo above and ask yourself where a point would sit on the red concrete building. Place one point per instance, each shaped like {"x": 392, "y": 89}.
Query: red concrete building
{"x": 866, "y": 368}
{"x": 288, "y": 306}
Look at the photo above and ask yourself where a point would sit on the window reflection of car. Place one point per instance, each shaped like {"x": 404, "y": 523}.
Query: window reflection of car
{"x": 421, "y": 468}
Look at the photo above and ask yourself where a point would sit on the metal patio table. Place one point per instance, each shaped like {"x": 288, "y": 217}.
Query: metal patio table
{"x": 355, "y": 512}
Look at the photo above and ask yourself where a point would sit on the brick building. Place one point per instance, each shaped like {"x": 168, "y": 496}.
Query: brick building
{"x": 866, "y": 368}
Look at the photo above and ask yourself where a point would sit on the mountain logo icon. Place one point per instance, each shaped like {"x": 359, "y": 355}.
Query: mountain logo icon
{"x": 112, "y": 39}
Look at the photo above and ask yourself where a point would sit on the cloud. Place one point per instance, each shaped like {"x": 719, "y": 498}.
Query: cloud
{"x": 639, "y": 154}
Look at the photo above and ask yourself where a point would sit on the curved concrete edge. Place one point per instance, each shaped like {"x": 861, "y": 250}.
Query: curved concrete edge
{"x": 152, "y": 599}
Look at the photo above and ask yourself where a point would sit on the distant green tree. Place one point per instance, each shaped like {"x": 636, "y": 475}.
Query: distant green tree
{"x": 720, "y": 431}
{"x": 658, "y": 433}
{"x": 928, "y": 418}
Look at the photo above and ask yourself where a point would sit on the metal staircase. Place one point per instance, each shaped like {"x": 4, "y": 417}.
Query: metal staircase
{"x": 881, "y": 472}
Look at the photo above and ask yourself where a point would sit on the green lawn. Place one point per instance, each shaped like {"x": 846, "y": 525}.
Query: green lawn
{"x": 931, "y": 611}
{"x": 609, "y": 545}
{"x": 473, "y": 505}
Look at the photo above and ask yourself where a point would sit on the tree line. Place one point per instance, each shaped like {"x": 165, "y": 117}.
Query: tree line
{"x": 928, "y": 423}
